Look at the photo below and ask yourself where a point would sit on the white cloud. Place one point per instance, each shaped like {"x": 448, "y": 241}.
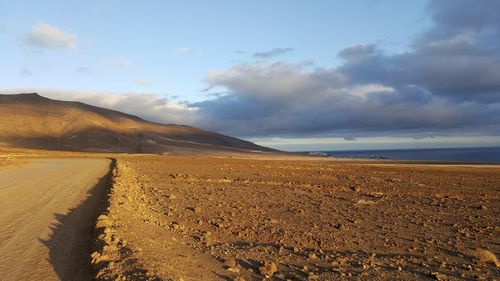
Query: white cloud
{"x": 46, "y": 36}
{"x": 363, "y": 91}
{"x": 142, "y": 82}
{"x": 182, "y": 50}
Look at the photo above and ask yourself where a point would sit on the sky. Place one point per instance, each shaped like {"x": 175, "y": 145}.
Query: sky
{"x": 289, "y": 74}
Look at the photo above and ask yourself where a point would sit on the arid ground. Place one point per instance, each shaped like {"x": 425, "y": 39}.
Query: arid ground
{"x": 253, "y": 217}
{"x": 207, "y": 218}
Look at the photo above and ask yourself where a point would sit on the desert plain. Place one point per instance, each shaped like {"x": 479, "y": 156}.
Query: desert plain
{"x": 251, "y": 217}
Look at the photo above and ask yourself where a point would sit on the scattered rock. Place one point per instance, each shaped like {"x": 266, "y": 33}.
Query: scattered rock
{"x": 268, "y": 269}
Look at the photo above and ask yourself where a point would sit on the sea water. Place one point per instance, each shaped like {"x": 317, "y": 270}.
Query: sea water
{"x": 467, "y": 155}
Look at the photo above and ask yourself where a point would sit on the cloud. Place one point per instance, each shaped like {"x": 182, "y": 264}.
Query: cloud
{"x": 458, "y": 58}
{"x": 446, "y": 83}
{"x": 182, "y": 50}
{"x": 119, "y": 62}
{"x": 272, "y": 53}
{"x": 285, "y": 99}
{"x": 46, "y": 36}
{"x": 143, "y": 82}
{"x": 357, "y": 52}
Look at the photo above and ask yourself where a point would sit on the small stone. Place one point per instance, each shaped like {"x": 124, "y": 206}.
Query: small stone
{"x": 233, "y": 269}
{"x": 268, "y": 269}
{"x": 485, "y": 256}
{"x": 437, "y": 276}
{"x": 230, "y": 262}
{"x": 312, "y": 276}
{"x": 313, "y": 256}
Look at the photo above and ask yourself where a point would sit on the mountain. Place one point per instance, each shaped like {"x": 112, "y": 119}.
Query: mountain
{"x": 33, "y": 121}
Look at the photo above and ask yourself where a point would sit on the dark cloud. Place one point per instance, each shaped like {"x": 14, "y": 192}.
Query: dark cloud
{"x": 458, "y": 58}
{"x": 447, "y": 82}
{"x": 358, "y": 52}
{"x": 272, "y": 53}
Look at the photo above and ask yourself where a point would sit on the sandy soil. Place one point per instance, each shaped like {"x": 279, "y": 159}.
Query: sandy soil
{"x": 48, "y": 209}
{"x": 216, "y": 218}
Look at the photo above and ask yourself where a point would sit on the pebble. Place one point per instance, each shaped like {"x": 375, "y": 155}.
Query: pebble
{"x": 230, "y": 262}
{"x": 268, "y": 269}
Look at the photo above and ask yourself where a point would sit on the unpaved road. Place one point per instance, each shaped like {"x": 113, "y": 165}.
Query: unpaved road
{"x": 47, "y": 210}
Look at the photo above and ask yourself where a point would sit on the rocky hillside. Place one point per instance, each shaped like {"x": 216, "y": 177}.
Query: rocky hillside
{"x": 33, "y": 121}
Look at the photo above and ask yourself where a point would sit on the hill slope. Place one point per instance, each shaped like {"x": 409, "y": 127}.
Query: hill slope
{"x": 33, "y": 121}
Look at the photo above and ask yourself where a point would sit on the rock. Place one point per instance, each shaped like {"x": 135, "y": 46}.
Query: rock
{"x": 312, "y": 276}
{"x": 230, "y": 262}
{"x": 485, "y": 256}
{"x": 233, "y": 269}
{"x": 313, "y": 257}
{"x": 103, "y": 221}
{"x": 172, "y": 197}
{"x": 268, "y": 269}
{"x": 437, "y": 276}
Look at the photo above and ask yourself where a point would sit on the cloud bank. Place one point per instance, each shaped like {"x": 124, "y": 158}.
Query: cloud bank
{"x": 448, "y": 82}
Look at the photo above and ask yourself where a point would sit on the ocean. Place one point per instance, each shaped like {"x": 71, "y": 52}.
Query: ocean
{"x": 466, "y": 155}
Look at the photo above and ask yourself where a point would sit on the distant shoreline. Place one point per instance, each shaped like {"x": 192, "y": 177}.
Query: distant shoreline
{"x": 469, "y": 155}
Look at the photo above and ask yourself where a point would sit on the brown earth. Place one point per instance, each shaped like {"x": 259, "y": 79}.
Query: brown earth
{"x": 224, "y": 218}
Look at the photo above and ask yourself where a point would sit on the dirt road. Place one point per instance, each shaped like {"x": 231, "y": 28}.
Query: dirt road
{"x": 47, "y": 210}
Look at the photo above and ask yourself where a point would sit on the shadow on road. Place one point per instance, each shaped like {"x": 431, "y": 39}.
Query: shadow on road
{"x": 70, "y": 241}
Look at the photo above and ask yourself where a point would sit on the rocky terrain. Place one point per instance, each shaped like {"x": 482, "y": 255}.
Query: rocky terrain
{"x": 277, "y": 218}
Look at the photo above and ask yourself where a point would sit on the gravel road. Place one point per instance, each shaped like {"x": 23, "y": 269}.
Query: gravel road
{"x": 47, "y": 210}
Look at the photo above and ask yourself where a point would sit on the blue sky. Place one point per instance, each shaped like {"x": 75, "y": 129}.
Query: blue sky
{"x": 258, "y": 69}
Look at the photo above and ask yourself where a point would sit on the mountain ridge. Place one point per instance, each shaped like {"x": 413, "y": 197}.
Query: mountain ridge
{"x": 29, "y": 120}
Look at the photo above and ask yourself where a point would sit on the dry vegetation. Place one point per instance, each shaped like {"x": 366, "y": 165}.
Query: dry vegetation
{"x": 223, "y": 218}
